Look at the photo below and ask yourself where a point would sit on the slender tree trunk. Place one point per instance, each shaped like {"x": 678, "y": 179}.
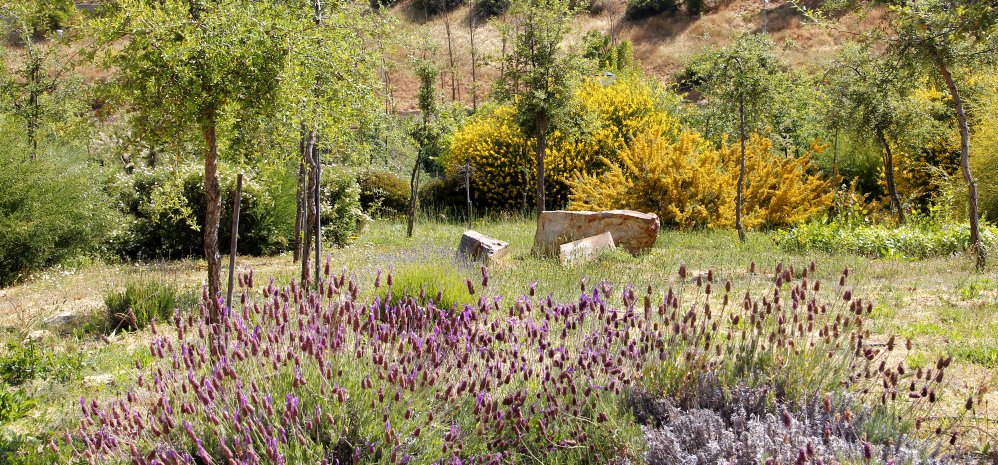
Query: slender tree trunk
{"x": 213, "y": 210}
{"x": 474, "y": 60}
{"x": 741, "y": 172}
{"x": 414, "y": 189}
{"x": 310, "y": 208}
{"x": 300, "y": 213}
{"x": 450, "y": 55}
{"x": 541, "y": 149}
{"x": 33, "y": 105}
{"x": 892, "y": 189}
{"x": 975, "y": 231}
{"x": 318, "y": 203}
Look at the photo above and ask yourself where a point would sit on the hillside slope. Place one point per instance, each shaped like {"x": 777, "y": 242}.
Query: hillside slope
{"x": 662, "y": 44}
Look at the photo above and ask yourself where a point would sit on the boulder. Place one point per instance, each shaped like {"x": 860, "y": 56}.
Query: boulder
{"x": 476, "y": 246}
{"x": 634, "y": 231}
{"x": 585, "y": 249}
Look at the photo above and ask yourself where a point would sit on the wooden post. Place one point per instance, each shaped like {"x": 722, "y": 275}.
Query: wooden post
{"x": 235, "y": 235}
{"x": 467, "y": 189}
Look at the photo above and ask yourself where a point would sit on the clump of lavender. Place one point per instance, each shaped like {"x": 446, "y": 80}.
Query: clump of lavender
{"x": 313, "y": 374}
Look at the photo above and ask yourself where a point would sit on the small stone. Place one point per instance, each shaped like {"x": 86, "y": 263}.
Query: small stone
{"x": 476, "y": 246}
{"x": 585, "y": 249}
{"x": 38, "y": 335}
{"x": 64, "y": 319}
{"x": 98, "y": 380}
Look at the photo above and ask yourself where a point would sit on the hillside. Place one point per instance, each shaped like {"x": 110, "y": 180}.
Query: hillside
{"x": 662, "y": 44}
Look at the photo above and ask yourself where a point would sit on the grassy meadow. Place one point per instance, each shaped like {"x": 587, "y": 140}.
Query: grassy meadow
{"x": 942, "y": 305}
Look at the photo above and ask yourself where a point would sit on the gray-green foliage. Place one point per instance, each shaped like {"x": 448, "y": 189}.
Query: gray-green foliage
{"x": 342, "y": 216}
{"x": 166, "y": 210}
{"x": 51, "y": 209}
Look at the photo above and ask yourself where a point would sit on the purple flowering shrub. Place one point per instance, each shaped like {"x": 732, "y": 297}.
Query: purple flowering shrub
{"x": 316, "y": 375}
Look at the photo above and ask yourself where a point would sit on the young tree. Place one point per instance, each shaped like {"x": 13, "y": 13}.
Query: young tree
{"x": 871, "y": 97}
{"x": 538, "y": 76}
{"x": 742, "y": 79}
{"x": 186, "y": 63}
{"x": 947, "y": 36}
{"x": 427, "y": 135}
{"x": 35, "y": 82}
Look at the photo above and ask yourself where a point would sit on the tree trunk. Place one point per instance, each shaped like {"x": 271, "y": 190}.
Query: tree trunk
{"x": 310, "y": 208}
{"x": 300, "y": 204}
{"x": 414, "y": 188}
{"x": 34, "y": 89}
{"x": 450, "y": 54}
{"x": 975, "y": 231}
{"x": 741, "y": 172}
{"x": 474, "y": 60}
{"x": 892, "y": 189}
{"x": 541, "y": 149}
{"x": 213, "y": 210}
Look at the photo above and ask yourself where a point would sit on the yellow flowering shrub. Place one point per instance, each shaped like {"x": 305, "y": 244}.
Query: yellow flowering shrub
{"x": 690, "y": 183}
{"x": 502, "y": 156}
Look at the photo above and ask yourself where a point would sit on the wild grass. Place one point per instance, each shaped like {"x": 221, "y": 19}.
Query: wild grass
{"x": 941, "y": 303}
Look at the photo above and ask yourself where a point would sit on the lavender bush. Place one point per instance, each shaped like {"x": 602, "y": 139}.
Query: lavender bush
{"x": 312, "y": 374}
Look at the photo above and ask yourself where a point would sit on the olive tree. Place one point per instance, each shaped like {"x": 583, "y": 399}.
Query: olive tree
{"x": 538, "y": 76}
{"x": 185, "y": 64}
{"x": 741, "y": 80}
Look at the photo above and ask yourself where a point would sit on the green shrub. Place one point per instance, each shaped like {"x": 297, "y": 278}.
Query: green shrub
{"x": 144, "y": 301}
{"x": 382, "y": 193}
{"x": 637, "y": 9}
{"x": 13, "y": 405}
{"x": 21, "y": 363}
{"x": 914, "y": 240}
{"x": 444, "y": 194}
{"x": 695, "y": 7}
{"x": 51, "y": 209}
{"x": 342, "y": 216}
{"x": 489, "y": 8}
{"x": 168, "y": 208}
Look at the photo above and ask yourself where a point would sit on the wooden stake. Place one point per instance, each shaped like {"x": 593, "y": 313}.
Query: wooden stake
{"x": 235, "y": 235}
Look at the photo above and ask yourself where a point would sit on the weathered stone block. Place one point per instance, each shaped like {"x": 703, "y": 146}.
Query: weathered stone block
{"x": 634, "y": 231}
{"x": 585, "y": 249}
{"x": 477, "y": 246}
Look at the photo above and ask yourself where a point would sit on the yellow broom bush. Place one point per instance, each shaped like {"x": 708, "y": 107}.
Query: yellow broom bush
{"x": 502, "y": 156}
{"x": 689, "y": 183}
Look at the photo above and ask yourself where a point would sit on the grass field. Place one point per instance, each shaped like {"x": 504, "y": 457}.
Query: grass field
{"x": 942, "y": 305}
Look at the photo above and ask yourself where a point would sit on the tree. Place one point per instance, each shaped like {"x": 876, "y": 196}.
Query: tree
{"x": 36, "y": 82}
{"x": 741, "y": 80}
{"x": 538, "y": 76}
{"x": 872, "y": 97}
{"x": 946, "y": 36}
{"x": 426, "y": 134}
{"x": 186, "y": 64}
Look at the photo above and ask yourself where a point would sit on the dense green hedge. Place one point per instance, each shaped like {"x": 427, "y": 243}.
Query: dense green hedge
{"x": 383, "y": 193}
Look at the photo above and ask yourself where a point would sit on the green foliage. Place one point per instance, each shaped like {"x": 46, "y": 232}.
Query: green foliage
{"x": 600, "y": 48}
{"x": 637, "y": 9}
{"x": 13, "y": 405}
{"x": 920, "y": 237}
{"x": 145, "y": 300}
{"x": 444, "y": 194}
{"x": 168, "y": 210}
{"x": 23, "y": 362}
{"x": 383, "y": 193}
{"x": 36, "y": 18}
{"x": 341, "y": 213}
{"x": 51, "y": 209}
{"x": 489, "y": 8}
{"x": 695, "y": 7}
